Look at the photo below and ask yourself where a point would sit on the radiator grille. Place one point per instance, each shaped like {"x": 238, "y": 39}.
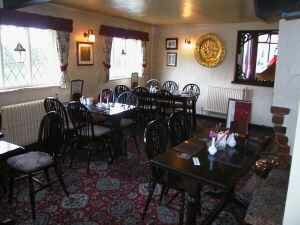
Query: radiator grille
{"x": 20, "y": 122}
{"x": 217, "y": 98}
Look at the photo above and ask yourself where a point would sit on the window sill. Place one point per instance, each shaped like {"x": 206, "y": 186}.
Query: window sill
{"x": 29, "y": 87}
{"x": 121, "y": 78}
{"x": 254, "y": 83}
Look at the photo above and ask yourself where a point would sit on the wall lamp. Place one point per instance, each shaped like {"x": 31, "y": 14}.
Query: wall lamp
{"x": 90, "y": 35}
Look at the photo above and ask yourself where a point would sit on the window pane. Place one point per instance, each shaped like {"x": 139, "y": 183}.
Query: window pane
{"x": 16, "y": 74}
{"x": 44, "y": 57}
{"x": 263, "y": 38}
{"x": 40, "y": 66}
{"x": 262, "y": 57}
{"x": 126, "y": 58}
{"x": 274, "y": 38}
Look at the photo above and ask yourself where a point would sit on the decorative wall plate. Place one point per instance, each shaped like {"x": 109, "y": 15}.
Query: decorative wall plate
{"x": 209, "y": 50}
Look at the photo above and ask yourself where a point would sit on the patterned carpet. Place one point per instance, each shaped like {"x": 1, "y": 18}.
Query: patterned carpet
{"x": 110, "y": 195}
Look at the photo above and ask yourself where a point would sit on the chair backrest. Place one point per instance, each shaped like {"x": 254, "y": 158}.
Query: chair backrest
{"x": 144, "y": 99}
{"x": 153, "y": 83}
{"x": 51, "y": 133}
{"x": 81, "y": 119}
{"x": 128, "y": 98}
{"x": 192, "y": 88}
{"x": 155, "y": 138}
{"x": 106, "y": 94}
{"x": 170, "y": 86}
{"x": 179, "y": 128}
{"x": 119, "y": 89}
{"x": 140, "y": 90}
{"x": 76, "y": 89}
{"x": 53, "y": 104}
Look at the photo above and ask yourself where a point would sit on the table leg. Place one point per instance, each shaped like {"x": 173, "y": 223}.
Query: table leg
{"x": 193, "y": 203}
{"x": 117, "y": 137}
{"x": 194, "y": 114}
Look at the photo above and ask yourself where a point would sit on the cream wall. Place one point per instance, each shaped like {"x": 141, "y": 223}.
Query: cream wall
{"x": 93, "y": 76}
{"x": 287, "y": 88}
{"x": 189, "y": 71}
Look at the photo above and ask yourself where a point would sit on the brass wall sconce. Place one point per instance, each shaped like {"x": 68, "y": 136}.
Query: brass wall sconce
{"x": 187, "y": 41}
{"x": 90, "y": 36}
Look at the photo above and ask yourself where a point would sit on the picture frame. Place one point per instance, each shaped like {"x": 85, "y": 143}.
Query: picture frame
{"x": 85, "y": 54}
{"x": 171, "y": 43}
{"x": 238, "y": 115}
{"x": 134, "y": 80}
{"x": 172, "y": 59}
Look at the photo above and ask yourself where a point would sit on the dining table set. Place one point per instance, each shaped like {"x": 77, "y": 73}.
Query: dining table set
{"x": 191, "y": 161}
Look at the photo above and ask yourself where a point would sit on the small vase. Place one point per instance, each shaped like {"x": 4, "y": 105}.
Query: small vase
{"x": 212, "y": 149}
{"x": 231, "y": 142}
{"x": 221, "y": 141}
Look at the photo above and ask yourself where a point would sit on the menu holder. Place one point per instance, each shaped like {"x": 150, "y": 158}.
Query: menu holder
{"x": 187, "y": 149}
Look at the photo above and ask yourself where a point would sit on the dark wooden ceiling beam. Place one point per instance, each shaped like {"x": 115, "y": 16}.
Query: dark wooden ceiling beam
{"x": 15, "y": 4}
{"x": 272, "y": 10}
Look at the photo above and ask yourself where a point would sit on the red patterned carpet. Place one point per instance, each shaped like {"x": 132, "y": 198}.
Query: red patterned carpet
{"x": 110, "y": 195}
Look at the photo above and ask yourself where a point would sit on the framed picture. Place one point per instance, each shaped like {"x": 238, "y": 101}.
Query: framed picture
{"x": 134, "y": 80}
{"x": 172, "y": 43}
{"x": 85, "y": 54}
{"x": 238, "y": 115}
{"x": 171, "y": 59}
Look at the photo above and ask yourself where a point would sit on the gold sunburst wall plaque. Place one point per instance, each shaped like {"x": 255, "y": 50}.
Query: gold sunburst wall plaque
{"x": 209, "y": 50}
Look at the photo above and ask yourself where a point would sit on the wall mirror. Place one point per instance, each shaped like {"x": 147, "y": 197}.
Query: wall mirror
{"x": 256, "y": 57}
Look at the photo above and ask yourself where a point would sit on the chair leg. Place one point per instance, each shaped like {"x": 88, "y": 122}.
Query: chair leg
{"x": 73, "y": 152}
{"x": 31, "y": 195}
{"x": 89, "y": 161}
{"x": 46, "y": 172}
{"x": 2, "y": 184}
{"x": 110, "y": 153}
{"x": 136, "y": 143}
{"x": 61, "y": 180}
{"x": 152, "y": 188}
{"x": 162, "y": 193}
{"x": 11, "y": 189}
{"x": 181, "y": 213}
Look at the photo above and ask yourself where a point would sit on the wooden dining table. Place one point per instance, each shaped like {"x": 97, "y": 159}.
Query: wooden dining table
{"x": 221, "y": 171}
{"x": 113, "y": 112}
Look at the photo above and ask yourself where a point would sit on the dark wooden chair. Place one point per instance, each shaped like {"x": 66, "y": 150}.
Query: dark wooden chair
{"x": 91, "y": 138}
{"x": 53, "y": 104}
{"x": 170, "y": 86}
{"x": 147, "y": 106}
{"x": 192, "y": 89}
{"x": 153, "y": 83}
{"x": 166, "y": 103}
{"x": 156, "y": 142}
{"x": 106, "y": 95}
{"x": 76, "y": 89}
{"x": 128, "y": 122}
{"x": 119, "y": 89}
{"x": 51, "y": 139}
{"x": 179, "y": 128}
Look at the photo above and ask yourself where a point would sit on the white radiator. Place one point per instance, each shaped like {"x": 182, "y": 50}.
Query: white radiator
{"x": 20, "y": 122}
{"x": 217, "y": 98}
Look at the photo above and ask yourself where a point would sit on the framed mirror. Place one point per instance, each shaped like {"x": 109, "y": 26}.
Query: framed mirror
{"x": 256, "y": 57}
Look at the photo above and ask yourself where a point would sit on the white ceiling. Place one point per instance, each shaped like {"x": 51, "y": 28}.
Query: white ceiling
{"x": 162, "y": 12}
